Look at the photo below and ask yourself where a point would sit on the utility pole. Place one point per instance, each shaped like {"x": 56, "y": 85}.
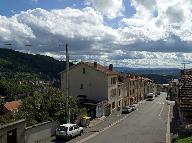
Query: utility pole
{"x": 67, "y": 84}
{"x": 184, "y": 63}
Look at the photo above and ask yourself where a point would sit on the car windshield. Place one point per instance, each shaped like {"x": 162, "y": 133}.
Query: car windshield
{"x": 62, "y": 128}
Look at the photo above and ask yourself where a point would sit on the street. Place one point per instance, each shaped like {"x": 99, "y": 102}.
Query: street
{"x": 146, "y": 125}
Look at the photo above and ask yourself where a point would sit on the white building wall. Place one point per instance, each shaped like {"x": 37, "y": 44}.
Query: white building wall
{"x": 112, "y": 98}
{"x": 95, "y": 83}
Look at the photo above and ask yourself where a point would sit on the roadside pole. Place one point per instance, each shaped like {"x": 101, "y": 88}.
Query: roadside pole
{"x": 67, "y": 84}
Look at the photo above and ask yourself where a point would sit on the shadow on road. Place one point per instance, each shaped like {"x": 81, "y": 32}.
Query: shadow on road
{"x": 175, "y": 124}
{"x": 58, "y": 141}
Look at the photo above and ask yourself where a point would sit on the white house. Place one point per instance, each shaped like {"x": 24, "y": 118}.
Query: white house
{"x": 92, "y": 82}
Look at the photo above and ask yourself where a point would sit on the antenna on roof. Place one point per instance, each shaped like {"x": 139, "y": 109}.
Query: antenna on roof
{"x": 184, "y": 63}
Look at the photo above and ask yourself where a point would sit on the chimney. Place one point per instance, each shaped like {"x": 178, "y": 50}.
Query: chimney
{"x": 111, "y": 67}
{"x": 95, "y": 64}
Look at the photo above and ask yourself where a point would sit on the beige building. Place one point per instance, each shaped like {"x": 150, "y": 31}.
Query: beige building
{"x": 92, "y": 82}
{"x": 133, "y": 89}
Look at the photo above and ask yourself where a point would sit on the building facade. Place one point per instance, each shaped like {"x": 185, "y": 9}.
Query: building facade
{"x": 92, "y": 83}
{"x": 107, "y": 90}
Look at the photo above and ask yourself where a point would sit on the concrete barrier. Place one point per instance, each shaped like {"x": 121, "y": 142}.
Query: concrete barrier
{"x": 39, "y": 133}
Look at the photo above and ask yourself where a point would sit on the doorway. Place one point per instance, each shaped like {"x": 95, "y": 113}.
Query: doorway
{"x": 12, "y": 136}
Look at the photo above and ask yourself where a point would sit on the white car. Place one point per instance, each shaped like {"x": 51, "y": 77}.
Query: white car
{"x": 126, "y": 110}
{"x": 68, "y": 131}
{"x": 150, "y": 97}
{"x": 133, "y": 107}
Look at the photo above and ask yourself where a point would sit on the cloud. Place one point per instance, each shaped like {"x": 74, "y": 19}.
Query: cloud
{"x": 48, "y": 30}
{"x": 109, "y": 8}
{"x": 158, "y": 34}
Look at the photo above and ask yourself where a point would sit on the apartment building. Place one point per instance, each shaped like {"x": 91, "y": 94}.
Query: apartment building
{"x": 173, "y": 89}
{"x": 92, "y": 83}
{"x": 102, "y": 89}
{"x": 133, "y": 89}
{"x": 149, "y": 86}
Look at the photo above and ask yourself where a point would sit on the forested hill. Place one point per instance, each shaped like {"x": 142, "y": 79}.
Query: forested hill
{"x": 12, "y": 61}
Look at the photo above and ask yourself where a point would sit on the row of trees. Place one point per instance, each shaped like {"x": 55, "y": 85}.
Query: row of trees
{"x": 49, "y": 106}
{"x": 10, "y": 87}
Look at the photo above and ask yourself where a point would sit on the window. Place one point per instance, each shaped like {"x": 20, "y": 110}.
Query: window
{"x": 119, "y": 92}
{"x": 70, "y": 128}
{"x": 83, "y": 70}
{"x": 133, "y": 91}
{"x": 113, "y": 92}
{"x": 113, "y": 80}
{"x": 113, "y": 105}
{"x": 76, "y": 127}
{"x": 81, "y": 86}
{"x": 133, "y": 83}
{"x": 125, "y": 103}
{"x": 119, "y": 103}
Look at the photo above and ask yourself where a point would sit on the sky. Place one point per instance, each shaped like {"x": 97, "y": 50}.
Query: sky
{"x": 129, "y": 33}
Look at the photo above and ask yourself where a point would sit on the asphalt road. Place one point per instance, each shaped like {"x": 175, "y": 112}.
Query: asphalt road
{"x": 146, "y": 125}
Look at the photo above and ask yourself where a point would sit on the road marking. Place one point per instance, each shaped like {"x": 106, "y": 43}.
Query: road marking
{"x": 159, "y": 102}
{"x": 168, "y": 127}
{"x": 161, "y": 111}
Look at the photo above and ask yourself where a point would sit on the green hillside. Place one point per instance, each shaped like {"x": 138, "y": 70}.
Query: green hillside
{"x": 24, "y": 74}
{"x": 12, "y": 61}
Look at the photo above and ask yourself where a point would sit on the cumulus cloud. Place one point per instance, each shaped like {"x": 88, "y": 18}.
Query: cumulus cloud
{"x": 158, "y": 34}
{"x": 109, "y": 8}
{"x": 82, "y": 29}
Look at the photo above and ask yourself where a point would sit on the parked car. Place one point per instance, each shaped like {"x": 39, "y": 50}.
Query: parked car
{"x": 126, "y": 110}
{"x": 133, "y": 107}
{"x": 150, "y": 97}
{"x": 158, "y": 92}
{"x": 68, "y": 131}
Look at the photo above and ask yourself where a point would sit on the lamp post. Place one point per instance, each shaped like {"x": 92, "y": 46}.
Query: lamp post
{"x": 67, "y": 84}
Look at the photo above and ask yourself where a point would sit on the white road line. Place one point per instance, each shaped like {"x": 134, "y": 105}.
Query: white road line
{"x": 104, "y": 129}
{"x": 161, "y": 111}
{"x": 168, "y": 127}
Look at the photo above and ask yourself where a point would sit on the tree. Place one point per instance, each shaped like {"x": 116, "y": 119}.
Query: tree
{"x": 41, "y": 107}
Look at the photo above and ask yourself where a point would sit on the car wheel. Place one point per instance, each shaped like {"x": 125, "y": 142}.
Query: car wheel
{"x": 70, "y": 137}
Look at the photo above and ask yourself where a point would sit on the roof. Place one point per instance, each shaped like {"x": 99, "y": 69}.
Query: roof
{"x": 68, "y": 125}
{"x": 13, "y": 105}
{"x": 99, "y": 67}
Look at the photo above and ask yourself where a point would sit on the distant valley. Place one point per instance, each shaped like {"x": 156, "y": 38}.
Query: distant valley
{"x": 159, "y": 75}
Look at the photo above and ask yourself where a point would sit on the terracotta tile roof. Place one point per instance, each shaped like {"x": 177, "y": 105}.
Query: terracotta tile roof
{"x": 101, "y": 68}
{"x": 13, "y": 105}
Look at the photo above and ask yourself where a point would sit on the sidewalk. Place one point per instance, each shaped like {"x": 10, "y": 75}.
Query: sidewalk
{"x": 96, "y": 121}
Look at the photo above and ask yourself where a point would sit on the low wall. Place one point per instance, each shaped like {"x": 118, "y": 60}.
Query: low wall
{"x": 7, "y": 134}
{"x": 41, "y": 132}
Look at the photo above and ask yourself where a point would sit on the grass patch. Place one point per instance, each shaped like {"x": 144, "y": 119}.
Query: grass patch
{"x": 184, "y": 140}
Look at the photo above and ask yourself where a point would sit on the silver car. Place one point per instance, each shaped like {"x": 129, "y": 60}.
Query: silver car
{"x": 126, "y": 110}
{"x": 133, "y": 107}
